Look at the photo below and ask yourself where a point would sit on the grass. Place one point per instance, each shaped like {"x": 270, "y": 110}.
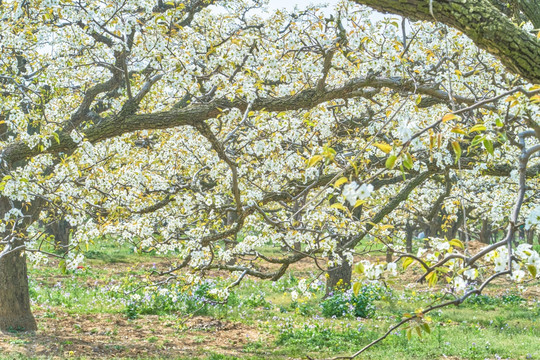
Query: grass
{"x": 82, "y": 308}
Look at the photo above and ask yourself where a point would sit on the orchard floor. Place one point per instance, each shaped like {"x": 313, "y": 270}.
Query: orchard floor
{"x": 82, "y": 315}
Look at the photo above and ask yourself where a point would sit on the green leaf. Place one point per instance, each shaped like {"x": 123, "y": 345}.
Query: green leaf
{"x": 391, "y": 162}
{"x": 477, "y": 140}
{"x": 489, "y": 146}
{"x": 409, "y": 334}
{"x": 408, "y": 161}
{"x": 62, "y": 266}
{"x": 426, "y": 328}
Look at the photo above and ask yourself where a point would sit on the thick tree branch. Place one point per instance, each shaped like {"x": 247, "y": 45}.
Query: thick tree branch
{"x": 482, "y": 22}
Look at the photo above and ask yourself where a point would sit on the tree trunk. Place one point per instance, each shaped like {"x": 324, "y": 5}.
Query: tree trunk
{"x": 530, "y": 236}
{"x": 60, "y": 230}
{"x": 339, "y": 277}
{"x": 232, "y": 216}
{"x": 15, "y": 312}
{"x": 389, "y": 254}
{"x": 485, "y": 232}
{"x": 409, "y": 230}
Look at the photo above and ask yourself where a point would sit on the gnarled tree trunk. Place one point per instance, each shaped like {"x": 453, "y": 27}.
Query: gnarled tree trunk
{"x": 15, "y": 312}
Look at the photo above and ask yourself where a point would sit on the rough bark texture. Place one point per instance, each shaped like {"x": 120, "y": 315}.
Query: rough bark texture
{"x": 15, "y": 313}
{"x": 339, "y": 277}
{"x": 531, "y": 9}
{"x": 480, "y": 20}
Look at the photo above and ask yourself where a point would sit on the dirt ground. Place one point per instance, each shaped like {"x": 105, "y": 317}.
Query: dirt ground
{"x": 96, "y": 336}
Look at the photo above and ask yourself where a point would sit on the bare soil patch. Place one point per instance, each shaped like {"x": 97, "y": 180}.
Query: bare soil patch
{"x": 112, "y": 335}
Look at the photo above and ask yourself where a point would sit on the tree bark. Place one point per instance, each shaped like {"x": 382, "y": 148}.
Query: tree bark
{"x": 409, "y": 230}
{"x": 481, "y": 21}
{"x": 530, "y": 236}
{"x": 339, "y": 277}
{"x": 389, "y": 253}
{"x": 485, "y": 232}
{"x": 15, "y": 312}
{"x": 60, "y": 230}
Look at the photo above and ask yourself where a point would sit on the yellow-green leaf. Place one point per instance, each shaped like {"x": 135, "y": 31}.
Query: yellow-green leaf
{"x": 339, "y": 206}
{"x": 408, "y": 161}
{"x": 56, "y": 137}
{"x": 456, "y": 243}
{"x": 314, "y": 160}
{"x": 359, "y": 268}
{"x": 391, "y": 162}
{"x": 408, "y": 261}
{"x": 384, "y": 147}
{"x": 432, "y": 278}
{"x": 532, "y": 270}
{"x": 458, "y": 130}
{"x": 488, "y": 145}
{"x": 449, "y": 117}
{"x": 341, "y": 181}
{"x": 356, "y": 288}
{"x": 457, "y": 149}
{"x": 478, "y": 128}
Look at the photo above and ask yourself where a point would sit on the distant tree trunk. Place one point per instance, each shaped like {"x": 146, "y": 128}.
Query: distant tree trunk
{"x": 297, "y": 218}
{"x": 339, "y": 277}
{"x": 232, "y": 216}
{"x": 389, "y": 254}
{"x": 409, "y": 230}
{"x": 530, "y": 236}
{"x": 60, "y": 230}
{"x": 485, "y": 232}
